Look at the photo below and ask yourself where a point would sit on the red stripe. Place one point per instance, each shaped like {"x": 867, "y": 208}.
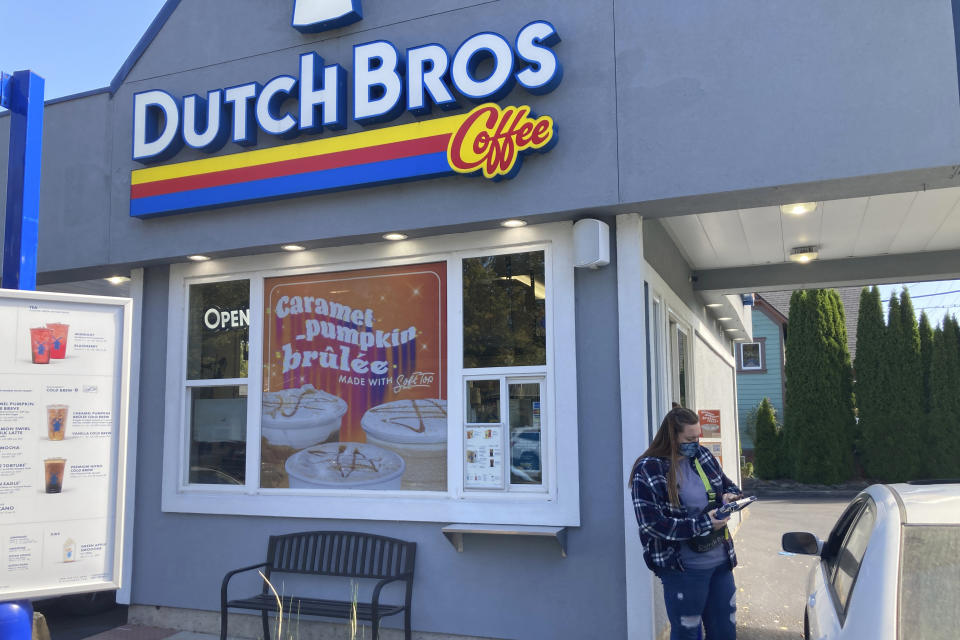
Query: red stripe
{"x": 353, "y": 157}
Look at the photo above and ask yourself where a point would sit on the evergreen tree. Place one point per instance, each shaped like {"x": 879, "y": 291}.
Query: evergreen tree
{"x": 942, "y": 448}
{"x": 819, "y": 403}
{"x": 767, "y": 443}
{"x": 926, "y": 353}
{"x": 908, "y": 414}
{"x": 845, "y": 421}
{"x": 870, "y": 368}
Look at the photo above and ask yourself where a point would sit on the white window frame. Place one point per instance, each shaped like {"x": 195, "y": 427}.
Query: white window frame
{"x": 672, "y": 310}
{"x": 557, "y": 505}
{"x": 761, "y": 356}
{"x": 660, "y": 368}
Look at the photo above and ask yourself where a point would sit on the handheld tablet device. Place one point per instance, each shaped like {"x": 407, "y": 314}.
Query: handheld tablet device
{"x": 736, "y": 505}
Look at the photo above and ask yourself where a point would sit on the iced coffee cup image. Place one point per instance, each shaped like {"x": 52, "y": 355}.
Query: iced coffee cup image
{"x": 41, "y": 342}
{"x": 300, "y": 417}
{"x": 58, "y": 346}
{"x": 57, "y": 421}
{"x": 53, "y": 469}
{"x": 345, "y": 465}
{"x": 69, "y": 550}
{"x": 416, "y": 430}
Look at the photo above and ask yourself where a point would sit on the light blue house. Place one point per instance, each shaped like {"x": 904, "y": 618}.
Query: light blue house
{"x": 760, "y": 362}
{"x": 760, "y": 365}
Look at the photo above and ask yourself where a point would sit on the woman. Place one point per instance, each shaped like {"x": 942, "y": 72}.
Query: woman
{"x": 684, "y": 544}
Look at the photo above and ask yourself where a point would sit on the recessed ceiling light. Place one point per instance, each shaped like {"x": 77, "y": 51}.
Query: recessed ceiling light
{"x": 803, "y": 255}
{"x": 394, "y": 236}
{"x": 117, "y": 279}
{"x": 513, "y": 223}
{"x": 731, "y": 329}
{"x": 724, "y": 318}
{"x": 739, "y": 339}
{"x": 198, "y": 258}
{"x": 799, "y": 208}
{"x": 714, "y": 305}
{"x": 293, "y": 247}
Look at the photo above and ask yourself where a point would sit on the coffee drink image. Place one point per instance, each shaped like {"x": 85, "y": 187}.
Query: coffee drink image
{"x": 416, "y": 430}
{"x": 57, "y": 421}
{"x": 345, "y": 465}
{"x": 301, "y": 417}
{"x": 53, "y": 474}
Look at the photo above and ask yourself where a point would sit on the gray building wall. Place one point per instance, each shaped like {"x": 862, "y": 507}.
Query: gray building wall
{"x": 499, "y": 587}
{"x": 664, "y": 108}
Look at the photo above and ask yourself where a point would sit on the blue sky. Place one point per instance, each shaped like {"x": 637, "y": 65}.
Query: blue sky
{"x": 74, "y": 46}
{"x": 936, "y": 298}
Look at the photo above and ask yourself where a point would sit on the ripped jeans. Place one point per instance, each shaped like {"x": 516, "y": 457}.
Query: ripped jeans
{"x": 700, "y": 596}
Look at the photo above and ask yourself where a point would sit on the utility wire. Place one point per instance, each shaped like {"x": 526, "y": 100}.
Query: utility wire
{"x": 927, "y": 295}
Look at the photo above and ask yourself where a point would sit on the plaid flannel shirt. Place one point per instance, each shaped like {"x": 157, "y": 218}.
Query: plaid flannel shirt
{"x": 664, "y": 527}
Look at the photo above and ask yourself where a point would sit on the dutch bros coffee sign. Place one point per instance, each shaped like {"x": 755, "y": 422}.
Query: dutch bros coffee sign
{"x": 384, "y": 83}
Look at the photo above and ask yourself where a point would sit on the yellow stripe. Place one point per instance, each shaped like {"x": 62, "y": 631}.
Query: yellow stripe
{"x": 400, "y": 133}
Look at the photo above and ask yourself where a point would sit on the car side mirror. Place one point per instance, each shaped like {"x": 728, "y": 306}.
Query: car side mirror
{"x": 800, "y": 542}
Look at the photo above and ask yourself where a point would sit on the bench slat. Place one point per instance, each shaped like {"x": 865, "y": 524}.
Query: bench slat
{"x": 293, "y": 606}
{"x": 339, "y": 553}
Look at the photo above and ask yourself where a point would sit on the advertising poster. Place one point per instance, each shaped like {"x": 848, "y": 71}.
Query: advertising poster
{"x": 354, "y": 386}
{"x": 709, "y": 423}
{"x": 62, "y": 431}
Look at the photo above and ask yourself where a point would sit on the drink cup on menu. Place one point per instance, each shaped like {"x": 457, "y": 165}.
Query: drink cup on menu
{"x": 416, "y": 430}
{"x": 53, "y": 474}
{"x": 41, "y": 342}
{"x": 57, "y": 421}
{"x": 59, "y": 347}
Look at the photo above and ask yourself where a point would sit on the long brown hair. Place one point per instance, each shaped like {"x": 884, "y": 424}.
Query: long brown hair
{"x": 665, "y": 445}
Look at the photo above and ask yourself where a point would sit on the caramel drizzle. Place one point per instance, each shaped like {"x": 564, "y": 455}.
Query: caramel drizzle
{"x": 346, "y": 465}
{"x": 318, "y": 399}
{"x": 395, "y": 415}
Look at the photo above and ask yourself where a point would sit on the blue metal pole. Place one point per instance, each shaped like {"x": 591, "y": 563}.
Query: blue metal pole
{"x": 22, "y": 94}
{"x": 21, "y": 229}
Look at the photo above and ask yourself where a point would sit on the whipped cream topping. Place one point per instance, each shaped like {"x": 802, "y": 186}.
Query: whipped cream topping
{"x": 408, "y": 421}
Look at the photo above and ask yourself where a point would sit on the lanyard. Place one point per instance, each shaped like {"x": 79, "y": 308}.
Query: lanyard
{"x": 711, "y": 494}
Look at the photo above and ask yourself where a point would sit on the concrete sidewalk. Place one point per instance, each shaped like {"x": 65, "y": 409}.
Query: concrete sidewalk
{"x": 137, "y": 632}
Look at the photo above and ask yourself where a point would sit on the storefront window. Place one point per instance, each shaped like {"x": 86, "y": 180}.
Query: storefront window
{"x": 504, "y": 311}
{"x": 218, "y": 434}
{"x": 526, "y": 465}
{"x": 218, "y": 327}
{"x": 354, "y": 388}
{"x": 323, "y": 392}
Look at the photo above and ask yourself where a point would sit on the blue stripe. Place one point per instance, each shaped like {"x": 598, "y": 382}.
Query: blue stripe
{"x": 425, "y": 166}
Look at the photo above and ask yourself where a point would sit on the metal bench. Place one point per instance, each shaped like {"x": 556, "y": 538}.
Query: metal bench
{"x": 343, "y": 554}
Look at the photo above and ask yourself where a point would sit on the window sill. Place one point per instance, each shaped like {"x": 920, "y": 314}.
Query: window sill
{"x": 501, "y": 510}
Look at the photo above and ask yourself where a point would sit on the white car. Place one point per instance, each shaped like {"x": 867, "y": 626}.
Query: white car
{"x": 890, "y": 569}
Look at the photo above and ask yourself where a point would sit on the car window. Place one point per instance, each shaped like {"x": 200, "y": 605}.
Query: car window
{"x": 850, "y": 555}
{"x": 831, "y": 548}
{"x": 930, "y": 582}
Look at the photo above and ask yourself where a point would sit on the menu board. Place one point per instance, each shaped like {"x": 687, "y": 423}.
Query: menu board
{"x": 483, "y": 460}
{"x": 64, "y": 365}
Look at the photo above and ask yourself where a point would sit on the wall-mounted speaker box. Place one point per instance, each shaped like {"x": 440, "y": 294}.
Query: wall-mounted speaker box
{"x": 591, "y": 243}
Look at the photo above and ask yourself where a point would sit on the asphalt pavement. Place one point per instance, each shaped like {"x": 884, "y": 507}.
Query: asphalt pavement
{"x": 771, "y": 585}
